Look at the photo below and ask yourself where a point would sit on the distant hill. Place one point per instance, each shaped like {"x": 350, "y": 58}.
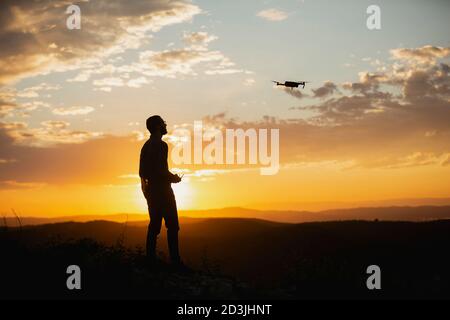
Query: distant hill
{"x": 420, "y": 213}
{"x": 321, "y": 206}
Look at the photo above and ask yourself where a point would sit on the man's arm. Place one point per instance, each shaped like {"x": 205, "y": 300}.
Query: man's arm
{"x": 144, "y": 187}
{"x": 142, "y": 163}
{"x": 142, "y": 171}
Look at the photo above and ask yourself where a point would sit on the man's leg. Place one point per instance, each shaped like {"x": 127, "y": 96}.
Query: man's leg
{"x": 154, "y": 228}
{"x": 172, "y": 239}
{"x": 172, "y": 225}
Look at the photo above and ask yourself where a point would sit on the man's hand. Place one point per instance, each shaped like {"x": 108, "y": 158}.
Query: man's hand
{"x": 175, "y": 178}
{"x": 144, "y": 187}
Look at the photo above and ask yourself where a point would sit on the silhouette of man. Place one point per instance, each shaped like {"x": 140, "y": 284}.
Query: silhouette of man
{"x": 156, "y": 182}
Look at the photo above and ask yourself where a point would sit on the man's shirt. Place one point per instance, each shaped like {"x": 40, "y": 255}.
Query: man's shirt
{"x": 153, "y": 162}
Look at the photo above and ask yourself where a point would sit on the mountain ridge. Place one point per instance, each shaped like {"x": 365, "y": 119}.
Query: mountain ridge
{"x": 393, "y": 213}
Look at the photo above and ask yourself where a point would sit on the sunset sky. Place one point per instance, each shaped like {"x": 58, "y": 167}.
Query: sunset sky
{"x": 373, "y": 124}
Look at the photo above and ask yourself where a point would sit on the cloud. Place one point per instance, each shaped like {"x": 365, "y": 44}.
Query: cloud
{"x": 292, "y": 92}
{"x": 14, "y": 185}
{"x": 33, "y": 92}
{"x": 109, "y": 82}
{"x": 223, "y": 71}
{"x": 104, "y": 89}
{"x": 446, "y": 160}
{"x": 94, "y": 69}
{"x": 34, "y": 104}
{"x": 6, "y": 108}
{"x": 137, "y": 83}
{"x": 169, "y": 63}
{"x": 198, "y": 39}
{"x": 10, "y": 107}
{"x": 327, "y": 89}
{"x": 35, "y": 40}
{"x": 368, "y": 82}
{"x": 50, "y": 133}
{"x": 86, "y": 162}
{"x": 81, "y": 77}
{"x": 434, "y": 81}
{"x": 4, "y": 161}
{"x": 272, "y": 15}
{"x": 249, "y": 82}
{"x": 52, "y": 124}
{"x": 424, "y": 54}
{"x": 7, "y": 103}
{"x": 420, "y": 159}
{"x": 73, "y": 111}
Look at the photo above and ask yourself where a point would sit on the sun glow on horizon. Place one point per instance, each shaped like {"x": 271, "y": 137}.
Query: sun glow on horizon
{"x": 183, "y": 194}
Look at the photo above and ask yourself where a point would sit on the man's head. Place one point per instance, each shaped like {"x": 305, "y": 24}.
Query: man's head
{"x": 156, "y": 124}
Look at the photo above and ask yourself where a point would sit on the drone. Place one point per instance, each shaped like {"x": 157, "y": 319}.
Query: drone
{"x": 291, "y": 84}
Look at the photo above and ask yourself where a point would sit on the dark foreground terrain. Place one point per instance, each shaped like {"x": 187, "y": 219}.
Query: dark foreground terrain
{"x": 231, "y": 259}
